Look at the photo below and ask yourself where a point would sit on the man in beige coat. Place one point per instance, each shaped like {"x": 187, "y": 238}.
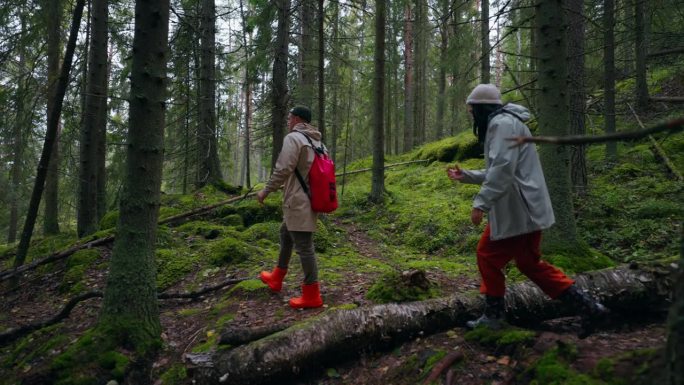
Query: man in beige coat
{"x": 299, "y": 220}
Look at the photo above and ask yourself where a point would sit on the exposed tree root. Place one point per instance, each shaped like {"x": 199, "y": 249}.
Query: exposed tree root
{"x": 15, "y": 333}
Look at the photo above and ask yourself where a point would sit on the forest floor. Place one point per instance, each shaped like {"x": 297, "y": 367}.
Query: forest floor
{"x": 185, "y": 324}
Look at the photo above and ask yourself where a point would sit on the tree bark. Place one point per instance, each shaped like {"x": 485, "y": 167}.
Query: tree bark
{"x": 280, "y": 97}
{"x": 378, "y": 178}
{"x": 640, "y": 49}
{"x": 408, "y": 79}
{"x": 50, "y": 135}
{"x": 18, "y": 144}
{"x": 321, "y": 68}
{"x": 248, "y": 101}
{"x": 484, "y": 37}
{"x": 576, "y": 36}
{"x": 307, "y": 57}
{"x": 553, "y": 120}
{"x": 609, "y": 76}
{"x": 94, "y": 121}
{"x": 209, "y": 166}
{"x": 53, "y": 20}
{"x": 130, "y": 313}
{"x": 344, "y": 334}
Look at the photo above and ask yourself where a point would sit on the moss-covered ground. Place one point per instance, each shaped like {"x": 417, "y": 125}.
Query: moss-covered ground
{"x": 631, "y": 211}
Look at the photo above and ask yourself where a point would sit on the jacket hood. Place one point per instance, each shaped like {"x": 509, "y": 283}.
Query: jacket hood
{"x": 309, "y": 130}
{"x": 519, "y": 110}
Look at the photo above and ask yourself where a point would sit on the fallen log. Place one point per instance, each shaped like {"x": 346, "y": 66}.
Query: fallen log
{"x": 344, "y": 334}
{"x": 4, "y": 275}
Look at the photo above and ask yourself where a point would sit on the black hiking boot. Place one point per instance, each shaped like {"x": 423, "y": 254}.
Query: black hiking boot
{"x": 493, "y": 317}
{"x": 592, "y": 313}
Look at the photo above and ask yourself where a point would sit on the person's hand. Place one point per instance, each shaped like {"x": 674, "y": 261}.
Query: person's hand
{"x": 260, "y": 196}
{"x": 476, "y": 216}
{"x": 455, "y": 173}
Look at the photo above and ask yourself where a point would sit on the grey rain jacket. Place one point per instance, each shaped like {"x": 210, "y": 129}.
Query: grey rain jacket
{"x": 513, "y": 192}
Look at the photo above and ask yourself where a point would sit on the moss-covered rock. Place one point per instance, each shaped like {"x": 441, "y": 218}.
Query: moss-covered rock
{"x": 172, "y": 265}
{"x": 233, "y": 220}
{"x": 229, "y": 251}
{"x": 401, "y": 287}
{"x": 77, "y": 264}
{"x": 175, "y": 375}
{"x": 463, "y": 145}
{"x": 252, "y": 212}
{"x": 264, "y": 230}
{"x": 207, "y": 230}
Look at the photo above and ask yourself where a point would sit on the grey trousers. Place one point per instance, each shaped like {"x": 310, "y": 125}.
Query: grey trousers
{"x": 302, "y": 241}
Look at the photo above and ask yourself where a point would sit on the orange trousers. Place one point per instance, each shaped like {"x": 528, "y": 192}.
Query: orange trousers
{"x": 492, "y": 257}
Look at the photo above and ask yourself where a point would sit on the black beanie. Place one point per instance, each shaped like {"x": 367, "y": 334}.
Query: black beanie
{"x": 302, "y": 112}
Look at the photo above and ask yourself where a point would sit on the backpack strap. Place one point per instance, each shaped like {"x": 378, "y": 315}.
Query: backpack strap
{"x": 297, "y": 173}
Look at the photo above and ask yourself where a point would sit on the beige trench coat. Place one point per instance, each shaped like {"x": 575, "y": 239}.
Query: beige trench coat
{"x": 296, "y": 152}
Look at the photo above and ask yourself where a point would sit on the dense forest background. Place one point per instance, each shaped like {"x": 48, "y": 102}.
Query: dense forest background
{"x": 115, "y": 114}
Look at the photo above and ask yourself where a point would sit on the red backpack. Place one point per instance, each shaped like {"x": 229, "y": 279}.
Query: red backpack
{"x": 323, "y": 190}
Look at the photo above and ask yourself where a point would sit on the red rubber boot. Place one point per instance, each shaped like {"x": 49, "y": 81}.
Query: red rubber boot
{"x": 274, "y": 280}
{"x": 311, "y": 297}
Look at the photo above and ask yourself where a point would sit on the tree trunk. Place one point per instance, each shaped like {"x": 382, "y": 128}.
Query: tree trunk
{"x": 53, "y": 20}
{"x": 93, "y": 119}
{"x": 553, "y": 120}
{"x": 18, "y": 130}
{"x": 441, "y": 77}
{"x": 248, "y": 99}
{"x": 609, "y": 76}
{"x": 408, "y": 79}
{"x": 378, "y": 178}
{"x": 420, "y": 72}
{"x": 50, "y": 135}
{"x": 484, "y": 36}
{"x": 209, "y": 167}
{"x": 576, "y": 36}
{"x": 335, "y": 79}
{"x": 640, "y": 48}
{"x": 280, "y": 97}
{"x": 130, "y": 313}
{"x": 321, "y": 68}
{"x": 307, "y": 56}
{"x": 345, "y": 334}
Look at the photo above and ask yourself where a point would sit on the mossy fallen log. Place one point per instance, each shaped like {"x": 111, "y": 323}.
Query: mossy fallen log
{"x": 344, "y": 334}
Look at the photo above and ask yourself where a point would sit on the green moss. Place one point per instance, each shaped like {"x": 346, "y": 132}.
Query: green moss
{"x": 36, "y": 345}
{"x": 252, "y": 212}
{"x": 92, "y": 359}
{"x": 168, "y": 212}
{"x": 207, "y": 230}
{"x": 323, "y": 238}
{"x": 229, "y": 251}
{"x": 553, "y": 368}
{"x": 264, "y": 230}
{"x": 248, "y": 286}
{"x": 502, "y": 337}
{"x": 109, "y": 220}
{"x": 175, "y": 375}
{"x": 208, "y": 343}
{"x": 233, "y": 220}
{"x": 172, "y": 265}
{"x": 42, "y": 247}
{"x": 189, "y": 312}
{"x": 115, "y": 362}
{"x": 392, "y": 288}
{"x": 459, "y": 147}
{"x": 77, "y": 264}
